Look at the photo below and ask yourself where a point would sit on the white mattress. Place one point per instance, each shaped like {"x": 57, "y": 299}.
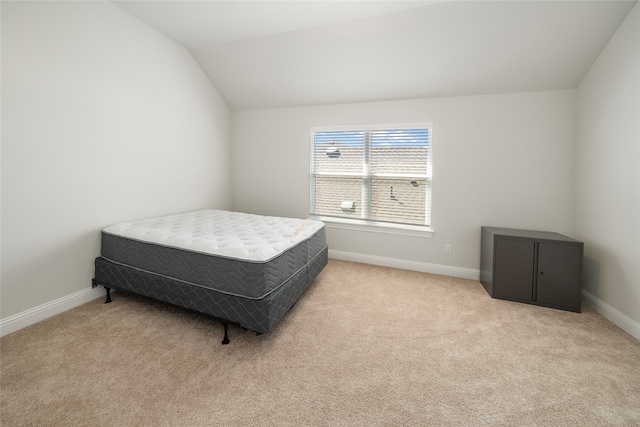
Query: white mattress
{"x": 234, "y": 235}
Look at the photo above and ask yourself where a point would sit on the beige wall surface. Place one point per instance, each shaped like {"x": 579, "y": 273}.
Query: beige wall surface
{"x": 500, "y": 160}
{"x": 103, "y": 120}
{"x": 607, "y": 179}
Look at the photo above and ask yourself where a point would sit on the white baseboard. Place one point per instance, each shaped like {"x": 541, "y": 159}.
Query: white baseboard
{"x": 616, "y": 317}
{"x": 36, "y": 314}
{"x": 424, "y": 267}
{"x": 41, "y": 312}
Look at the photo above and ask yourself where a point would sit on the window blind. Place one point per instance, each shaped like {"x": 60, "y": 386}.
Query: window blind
{"x": 381, "y": 175}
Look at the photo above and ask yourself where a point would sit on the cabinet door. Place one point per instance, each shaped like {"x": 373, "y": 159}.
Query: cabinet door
{"x": 559, "y": 274}
{"x": 514, "y": 269}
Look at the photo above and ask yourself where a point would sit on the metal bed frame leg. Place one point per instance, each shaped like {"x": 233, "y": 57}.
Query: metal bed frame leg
{"x": 225, "y": 340}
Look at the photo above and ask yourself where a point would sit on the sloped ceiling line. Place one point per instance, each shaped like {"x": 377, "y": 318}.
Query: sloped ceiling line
{"x": 269, "y": 54}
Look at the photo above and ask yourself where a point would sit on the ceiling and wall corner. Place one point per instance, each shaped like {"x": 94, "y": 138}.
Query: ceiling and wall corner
{"x": 272, "y": 54}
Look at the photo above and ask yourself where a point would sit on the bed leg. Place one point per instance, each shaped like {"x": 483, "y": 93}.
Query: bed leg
{"x": 108, "y": 296}
{"x": 225, "y": 340}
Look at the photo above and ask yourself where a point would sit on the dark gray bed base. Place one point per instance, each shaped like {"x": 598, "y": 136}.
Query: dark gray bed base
{"x": 259, "y": 315}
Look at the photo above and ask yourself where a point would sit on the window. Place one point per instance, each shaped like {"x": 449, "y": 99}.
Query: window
{"x": 372, "y": 174}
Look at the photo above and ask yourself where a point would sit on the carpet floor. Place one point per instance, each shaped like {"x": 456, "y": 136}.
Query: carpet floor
{"x": 365, "y": 346}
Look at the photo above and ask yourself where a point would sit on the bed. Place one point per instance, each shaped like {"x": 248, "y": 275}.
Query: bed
{"x": 240, "y": 268}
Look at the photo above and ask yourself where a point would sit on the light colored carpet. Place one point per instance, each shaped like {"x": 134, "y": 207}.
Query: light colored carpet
{"x": 365, "y": 346}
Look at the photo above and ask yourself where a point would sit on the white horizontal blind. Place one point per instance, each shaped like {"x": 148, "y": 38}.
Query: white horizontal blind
{"x": 403, "y": 151}
{"x": 382, "y": 175}
{"x": 339, "y": 153}
{"x": 400, "y": 161}
{"x": 397, "y": 200}
{"x": 331, "y": 191}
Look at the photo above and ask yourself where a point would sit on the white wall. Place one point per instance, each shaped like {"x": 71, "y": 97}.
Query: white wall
{"x": 501, "y": 160}
{"x": 607, "y": 201}
{"x": 103, "y": 120}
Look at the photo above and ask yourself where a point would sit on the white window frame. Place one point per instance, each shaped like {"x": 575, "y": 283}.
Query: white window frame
{"x": 369, "y": 225}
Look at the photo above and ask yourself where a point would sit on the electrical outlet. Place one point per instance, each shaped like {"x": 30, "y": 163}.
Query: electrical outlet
{"x": 448, "y": 248}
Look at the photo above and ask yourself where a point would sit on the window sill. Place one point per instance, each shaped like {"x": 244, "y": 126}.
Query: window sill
{"x": 375, "y": 227}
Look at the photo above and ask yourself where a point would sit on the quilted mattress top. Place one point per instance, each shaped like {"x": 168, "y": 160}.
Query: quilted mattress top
{"x": 221, "y": 233}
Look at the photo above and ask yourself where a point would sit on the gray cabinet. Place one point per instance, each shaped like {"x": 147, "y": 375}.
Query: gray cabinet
{"x": 534, "y": 267}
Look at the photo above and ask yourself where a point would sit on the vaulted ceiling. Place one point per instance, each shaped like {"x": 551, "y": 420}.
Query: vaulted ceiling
{"x": 268, "y": 54}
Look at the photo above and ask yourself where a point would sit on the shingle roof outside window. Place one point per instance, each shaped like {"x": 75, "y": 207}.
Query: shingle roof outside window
{"x": 381, "y": 175}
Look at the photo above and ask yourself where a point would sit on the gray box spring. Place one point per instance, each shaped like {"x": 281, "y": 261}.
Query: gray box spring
{"x": 253, "y": 294}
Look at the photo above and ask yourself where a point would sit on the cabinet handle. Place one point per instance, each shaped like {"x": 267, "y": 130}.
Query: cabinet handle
{"x": 541, "y": 273}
